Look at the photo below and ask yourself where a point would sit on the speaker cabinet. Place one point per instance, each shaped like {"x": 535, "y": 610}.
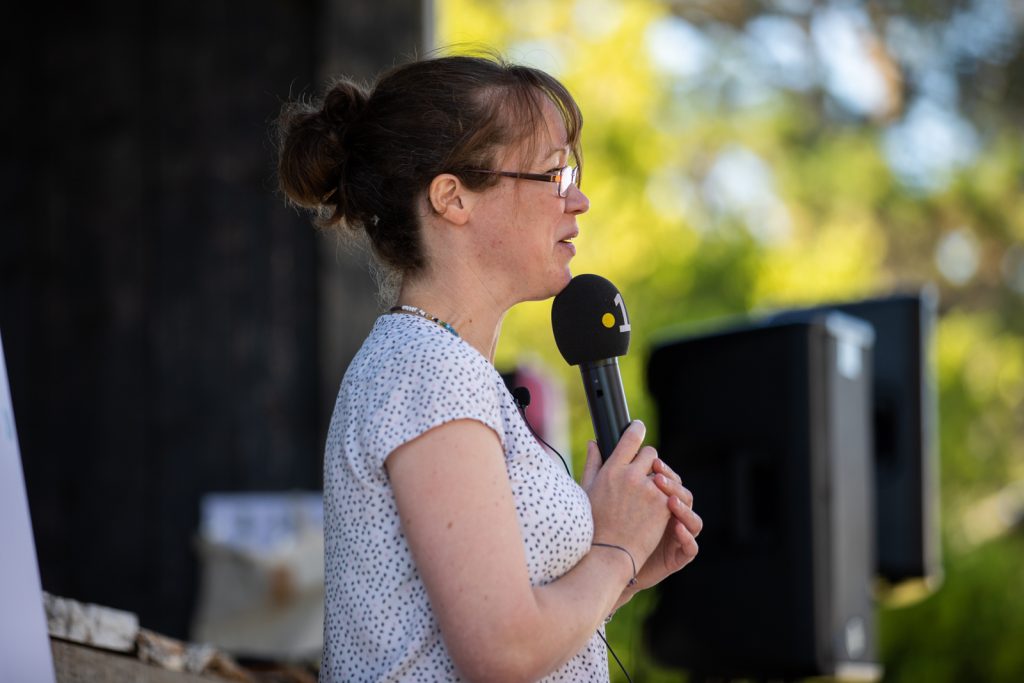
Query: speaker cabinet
{"x": 905, "y": 423}
{"x": 770, "y": 426}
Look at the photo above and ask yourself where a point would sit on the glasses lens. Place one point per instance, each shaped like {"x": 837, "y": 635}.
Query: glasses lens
{"x": 567, "y": 178}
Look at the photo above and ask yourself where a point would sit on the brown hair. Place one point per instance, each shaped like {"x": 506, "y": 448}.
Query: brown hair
{"x": 362, "y": 158}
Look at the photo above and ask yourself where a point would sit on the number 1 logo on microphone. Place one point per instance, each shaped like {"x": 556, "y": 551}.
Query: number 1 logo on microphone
{"x": 624, "y": 327}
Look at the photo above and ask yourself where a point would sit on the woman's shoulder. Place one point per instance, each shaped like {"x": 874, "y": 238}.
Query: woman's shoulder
{"x": 412, "y": 375}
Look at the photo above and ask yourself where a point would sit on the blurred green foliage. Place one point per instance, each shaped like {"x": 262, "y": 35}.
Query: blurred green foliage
{"x": 838, "y": 224}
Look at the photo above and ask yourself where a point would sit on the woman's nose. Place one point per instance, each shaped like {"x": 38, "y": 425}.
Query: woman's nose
{"x": 576, "y": 202}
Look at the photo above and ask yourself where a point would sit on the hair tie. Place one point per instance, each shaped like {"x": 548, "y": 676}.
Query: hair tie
{"x": 632, "y": 582}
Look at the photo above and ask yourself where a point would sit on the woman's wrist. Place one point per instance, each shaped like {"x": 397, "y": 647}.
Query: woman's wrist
{"x": 627, "y": 594}
{"x": 613, "y": 547}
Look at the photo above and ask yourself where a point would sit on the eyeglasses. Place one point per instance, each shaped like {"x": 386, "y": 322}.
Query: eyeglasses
{"x": 566, "y": 177}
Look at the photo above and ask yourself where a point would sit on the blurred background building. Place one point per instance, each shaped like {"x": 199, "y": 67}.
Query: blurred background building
{"x": 171, "y": 327}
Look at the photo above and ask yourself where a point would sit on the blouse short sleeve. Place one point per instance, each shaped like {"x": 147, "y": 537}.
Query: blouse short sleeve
{"x": 409, "y": 384}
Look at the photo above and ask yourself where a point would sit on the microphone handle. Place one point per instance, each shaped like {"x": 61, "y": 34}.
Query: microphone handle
{"x": 606, "y": 400}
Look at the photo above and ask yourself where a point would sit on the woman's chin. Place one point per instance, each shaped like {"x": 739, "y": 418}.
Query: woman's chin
{"x": 563, "y": 282}
{"x": 555, "y": 285}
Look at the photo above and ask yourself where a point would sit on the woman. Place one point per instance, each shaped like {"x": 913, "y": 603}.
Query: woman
{"x": 456, "y": 548}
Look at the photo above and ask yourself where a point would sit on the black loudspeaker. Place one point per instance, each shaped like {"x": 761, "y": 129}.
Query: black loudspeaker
{"x": 770, "y": 426}
{"x": 905, "y": 423}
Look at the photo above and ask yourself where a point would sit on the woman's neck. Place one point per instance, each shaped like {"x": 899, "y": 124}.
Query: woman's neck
{"x": 474, "y": 315}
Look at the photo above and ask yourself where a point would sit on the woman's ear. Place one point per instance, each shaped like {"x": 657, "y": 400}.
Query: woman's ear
{"x": 449, "y": 198}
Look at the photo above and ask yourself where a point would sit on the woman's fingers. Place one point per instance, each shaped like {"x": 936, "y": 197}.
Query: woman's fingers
{"x": 645, "y": 459}
{"x": 661, "y": 467}
{"x": 685, "y": 515}
{"x": 687, "y": 541}
{"x": 629, "y": 444}
{"x": 669, "y": 482}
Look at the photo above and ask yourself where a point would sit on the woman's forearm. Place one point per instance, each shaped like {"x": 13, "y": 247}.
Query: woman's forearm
{"x": 563, "y": 617}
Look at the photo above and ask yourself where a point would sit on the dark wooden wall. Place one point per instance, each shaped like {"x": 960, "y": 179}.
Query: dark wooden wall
{"x": 160, "y": 307}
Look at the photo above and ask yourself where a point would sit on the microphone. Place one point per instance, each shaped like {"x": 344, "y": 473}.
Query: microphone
{"x": 521, "y": 395}
{"x": 591, "y": 328}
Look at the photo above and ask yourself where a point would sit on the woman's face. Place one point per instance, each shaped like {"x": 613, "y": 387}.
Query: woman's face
{"x": 526, "y": 227}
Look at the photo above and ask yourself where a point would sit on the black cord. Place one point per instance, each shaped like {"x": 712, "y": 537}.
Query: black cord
{"x": 615, "y": 656}
{"x": 522, "y": 411}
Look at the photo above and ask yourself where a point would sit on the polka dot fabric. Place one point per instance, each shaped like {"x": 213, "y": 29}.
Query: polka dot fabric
{"x": 410, "y": 376}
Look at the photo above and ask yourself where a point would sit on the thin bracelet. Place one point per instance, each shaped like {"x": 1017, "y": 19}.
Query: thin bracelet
{"x": 632, "y": 582}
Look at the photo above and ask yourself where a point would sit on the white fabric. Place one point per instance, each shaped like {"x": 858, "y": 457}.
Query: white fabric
{"x": 409, "y": 376}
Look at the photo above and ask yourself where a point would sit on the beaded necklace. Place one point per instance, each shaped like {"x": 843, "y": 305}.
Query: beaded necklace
{"x": 423, "y": 314}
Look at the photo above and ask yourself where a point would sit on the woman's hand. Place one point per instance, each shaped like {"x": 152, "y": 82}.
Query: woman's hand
{"x": 630, "y": 509}
{"x": 677, "y": 544}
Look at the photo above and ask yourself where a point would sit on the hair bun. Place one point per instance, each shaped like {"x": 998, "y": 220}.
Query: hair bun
{"x": 343, "y": 104}
{"x": 312, "y": 146}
